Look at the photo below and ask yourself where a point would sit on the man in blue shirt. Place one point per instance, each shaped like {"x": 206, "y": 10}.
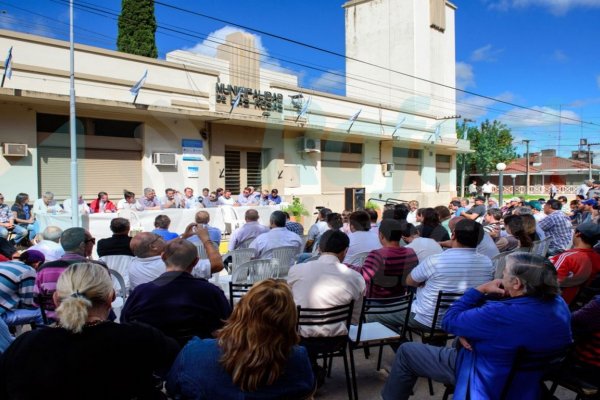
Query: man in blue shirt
{"x": 161, "y": 225}
{"x": 203, "y": 218}
{"x": 531, "y": 323}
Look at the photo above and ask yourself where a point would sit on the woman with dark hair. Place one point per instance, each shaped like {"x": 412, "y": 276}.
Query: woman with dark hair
{"x": 516, "y": 236}
{"x": 430, "y": 225}
{"x": 102, "y": 204}
{"x": 335, "y": 221}
{"x": 254, "y": 356}
{"x": 76, "y": 360}
{"x": 23, "y": 216}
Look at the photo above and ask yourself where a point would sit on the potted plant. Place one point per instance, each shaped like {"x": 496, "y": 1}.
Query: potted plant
{"x": 296, "y": 209}
{"x": 373, "y": 206}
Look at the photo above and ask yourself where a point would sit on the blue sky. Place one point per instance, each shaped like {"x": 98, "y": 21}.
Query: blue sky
{"x": 542, "y": 54}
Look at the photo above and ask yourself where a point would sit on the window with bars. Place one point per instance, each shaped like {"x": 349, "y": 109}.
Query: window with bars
{"x": 254, "y": 169}
{"x": 232, "y": 170}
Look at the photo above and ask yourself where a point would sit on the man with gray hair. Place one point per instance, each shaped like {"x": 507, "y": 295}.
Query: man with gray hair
{"x": 46, "y": 205}
{"x": 278, "y": 236}
{"x": 250, "y": 230}
{"x": 49, "y": 245}
{"x": 150, "y": 201}
{"x": 176, "y": 302}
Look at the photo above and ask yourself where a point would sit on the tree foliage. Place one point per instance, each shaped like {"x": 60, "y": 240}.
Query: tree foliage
{"x": 137, "y": 28}
{"x": 492, "y": 143}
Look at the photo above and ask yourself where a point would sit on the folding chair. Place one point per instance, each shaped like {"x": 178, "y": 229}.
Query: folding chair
{"x": 46, "y": 304}
{"x": 285, "y": 255}
{"x": 369, "y": 334}
{"x": 329, "y": 347}
{"x": 359, "y": 259}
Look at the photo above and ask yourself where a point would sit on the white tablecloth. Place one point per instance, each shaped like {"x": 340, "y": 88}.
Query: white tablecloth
{"x": 99, "y": 224}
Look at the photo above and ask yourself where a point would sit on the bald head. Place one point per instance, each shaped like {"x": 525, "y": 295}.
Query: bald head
{"x": 251, "y": 215}
{"x": 202, "y": 217}
{"x": 52, "y": 233}
{"x": 146, "y": 244}
{"x": 180, "y": 255}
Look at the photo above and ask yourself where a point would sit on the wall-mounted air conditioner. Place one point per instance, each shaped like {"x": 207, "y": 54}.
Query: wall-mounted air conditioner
{"x": 15, "y": 150}
{"x": 309, "y": 145}
{"x": 164, "y": 158}
{"x": 387, "y": 169}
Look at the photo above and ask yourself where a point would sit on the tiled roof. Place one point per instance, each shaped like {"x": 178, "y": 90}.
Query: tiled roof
{"x": 548, "y": 164}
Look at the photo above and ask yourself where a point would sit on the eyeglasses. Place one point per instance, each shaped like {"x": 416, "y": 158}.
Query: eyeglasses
{"x": 93, "y": 240}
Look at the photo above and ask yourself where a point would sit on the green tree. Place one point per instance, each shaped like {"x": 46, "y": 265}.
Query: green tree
{"x": 492, "y": 143}
{"x": 137, "y": 28}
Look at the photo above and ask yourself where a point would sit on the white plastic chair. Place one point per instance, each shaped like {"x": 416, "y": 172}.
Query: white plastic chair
{"x": 120, "y": 264}
{"x": 541, "y": 247}
{"x": 239, "y": 256}
{"x": 359, "y": 259}
{"x": 231, "y": 220}
{"x": 285, "y": 256}
{"x": 255, "y": 270}
{"x": 202, "y": 251}
{"x": 120, "y": 291}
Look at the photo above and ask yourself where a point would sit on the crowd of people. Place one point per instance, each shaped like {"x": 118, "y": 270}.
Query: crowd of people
{"x": 178, "y": 328}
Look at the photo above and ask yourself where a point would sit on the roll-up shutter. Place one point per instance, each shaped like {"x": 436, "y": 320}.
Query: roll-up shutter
{"x": 110, "y": 171}
{"x": 407, "y": 170}
{"x": 442, "y": 172}
{"x": 232, "y": 171}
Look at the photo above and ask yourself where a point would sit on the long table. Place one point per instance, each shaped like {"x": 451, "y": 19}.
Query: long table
{"x": 99, "y": 224}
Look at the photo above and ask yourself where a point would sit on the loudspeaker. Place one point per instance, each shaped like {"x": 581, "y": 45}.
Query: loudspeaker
{"x": 354, "y": 198}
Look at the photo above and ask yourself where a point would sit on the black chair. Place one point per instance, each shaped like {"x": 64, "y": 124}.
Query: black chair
{"x": 434, "y": 335}
{"x": 569, "y": 375}
{"x": 237, "y": 291}
{"x": 370, "y": 334}
{"x": 328, "y": 347}
{"x": 46, "y": 303}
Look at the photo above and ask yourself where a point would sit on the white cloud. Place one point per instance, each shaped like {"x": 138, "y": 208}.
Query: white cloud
{"x": 464, "y": 75}
{"x": 208, "y": 47}
{"x": 486, "y": 53}
{"x": 475, "y": 107}
{"x": 537, "y": 116}
{"x": 560, "y": 56}
{"x": 332, "y": 81}
{"x": 556, "y": 7}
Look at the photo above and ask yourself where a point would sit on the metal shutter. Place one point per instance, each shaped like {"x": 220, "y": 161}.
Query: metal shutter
{"x": 232, "y": 171}
{"x": 253, "y": 169}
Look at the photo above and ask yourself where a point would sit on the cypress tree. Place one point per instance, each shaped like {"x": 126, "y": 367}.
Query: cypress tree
{"x": 137, "y": 27}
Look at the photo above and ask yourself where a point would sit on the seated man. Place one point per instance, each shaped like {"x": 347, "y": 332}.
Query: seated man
{"x": 203, "y": 218}
{"x": 325, "y": 283}
{"x": 586, "y": 329}
{"x": 557, "y": 226}
{"x": 211, "y": 200}
{"x": 244, "y": 198}
{"x": 423, "y": 247}
{"x": 293, "y": 226}
{"x": 391, "y": 260}
{"x": 171, "y": 199}
{"x": 189, "y": 200}
{"x": 118, "y": 243}
{"x": 147, "y": 265}
{"x": 17, "y": 280}
{"x": 150, "y": 200}
{"x": 128, "y": 202}
{"x": 477, "y": 211}
{"x": 46, "y": 205}
{"x": 495, "y": 335}
{"x": 274, "y": 197}
{"x": 361, "y": 239}
{"x": 177, "y": 303}
{"x": 7, "y": 223}
{"x": 277, "y": 236}
{"x": 577, "y": 267}
{"x": 49, "y": 245}
{"x": 250, "y": 230}
{"x": 82, "y": 206}
{"x": 226, "y": 199}
{"x": 161, "y": 227}
{"x": 454, "y": 270}
{"x": 318, "y": 228}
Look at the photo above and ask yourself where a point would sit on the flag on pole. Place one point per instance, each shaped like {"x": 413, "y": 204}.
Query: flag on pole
{"x": 236, "y": 101}
{"x": 135, "y": 90}
{"x": 353, "y": 119}
{"x": 304, "y": 108}
{"x": 398, "y": 125}
{"x": 7, "y": 67}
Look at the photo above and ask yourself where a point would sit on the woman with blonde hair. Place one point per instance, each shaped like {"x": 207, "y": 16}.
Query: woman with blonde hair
{"x": 86, "y": 356}
{"x": 254, "y": 356}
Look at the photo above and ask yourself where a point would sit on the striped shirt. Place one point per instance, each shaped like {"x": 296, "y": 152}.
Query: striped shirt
{"x": 558, "y": 226}
{"x": 393, "y": 261}
{"x": 16, "y": 285}
{"x": 454, "y": 270}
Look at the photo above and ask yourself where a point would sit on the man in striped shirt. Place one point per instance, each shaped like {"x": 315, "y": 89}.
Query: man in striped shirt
{"x": 17, "y": 279}
{"x": 557, "y": 226}
{"x": 454, "y": 270}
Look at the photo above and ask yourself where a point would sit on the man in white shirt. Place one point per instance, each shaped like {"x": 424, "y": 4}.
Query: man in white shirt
{"x": 250, "y": 230}
{"x": 46, "y": 205}
{"x": 487, "y": 189}
{"x": 147, "y": 264}
{"x": 278, "y": 236}
{"x": 49, "y": 245}
{"x": 424, "y": 247}
{"x": 317, "y": 229}
{"x": 226, "y": 199}
{"x": 244, "y": 198}
{"x": 361, "y": 239}
{"x": 189, "y": 200}
{"x": 83, "y": 207}
{"x": 327, "y": 283}
{"x": 454, "y": 270}
{"x": 171, "y": 199}
{"x": 128, "y": 202}
{"x": 486, "y": 246}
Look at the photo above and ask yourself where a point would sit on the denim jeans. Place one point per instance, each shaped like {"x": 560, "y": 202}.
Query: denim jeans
{"x": 414, "y": 360}
{"x": 23, "y": 316}
{"x": 5, "y": 336}
{"x": 20, "y": 232}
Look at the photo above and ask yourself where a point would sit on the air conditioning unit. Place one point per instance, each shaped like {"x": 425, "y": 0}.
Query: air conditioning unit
{"x": 164, "y": 158}
{"x": 15, "y": 150}
{"x": 387, "y": 169}
{"x": 309, "y": 145}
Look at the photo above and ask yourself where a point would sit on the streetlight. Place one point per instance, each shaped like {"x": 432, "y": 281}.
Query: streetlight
{"x": 513, "y": 176}
{"x": 500, "y": 167}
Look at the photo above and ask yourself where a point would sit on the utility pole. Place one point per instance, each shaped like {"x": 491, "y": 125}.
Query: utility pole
{"x": 464, "y": 157}
{"x": 527, "y": 167}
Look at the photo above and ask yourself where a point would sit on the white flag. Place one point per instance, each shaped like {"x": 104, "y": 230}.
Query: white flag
{"x": 135, "y": 90}
{"x": 236, "y": 101}
{"x": 304, "y": 108}
{"x": 398, "y": 125}
{"x": 355, "y": 116}
{"x": 8, "y": 64}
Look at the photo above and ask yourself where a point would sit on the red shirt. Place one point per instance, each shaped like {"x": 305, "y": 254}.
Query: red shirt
{"x": 578, "y": 267}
